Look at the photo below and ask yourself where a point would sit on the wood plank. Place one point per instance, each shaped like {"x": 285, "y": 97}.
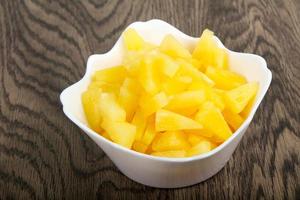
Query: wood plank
{"x": 44, "y": 46}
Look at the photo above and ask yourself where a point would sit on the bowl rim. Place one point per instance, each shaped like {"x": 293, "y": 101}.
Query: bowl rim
{"x": 219, "y": 148}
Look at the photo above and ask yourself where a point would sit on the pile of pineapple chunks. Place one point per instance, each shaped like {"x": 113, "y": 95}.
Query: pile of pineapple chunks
{"x": 167, "y": 101}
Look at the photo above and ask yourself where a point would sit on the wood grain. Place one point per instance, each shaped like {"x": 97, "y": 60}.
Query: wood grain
{"x": 44, "y": 45}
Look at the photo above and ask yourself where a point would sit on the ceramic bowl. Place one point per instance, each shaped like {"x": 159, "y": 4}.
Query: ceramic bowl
{"x": 157, "y": 171}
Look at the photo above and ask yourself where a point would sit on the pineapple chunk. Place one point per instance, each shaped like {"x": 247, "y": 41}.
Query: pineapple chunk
{"x": 132, "y": 40}
{"x": 221, "y": 58}
{"x": 210, "y": 94}
{"x": 234, "y": 120}
{"x": 202, "y": 133}
{"x": 105, "y": 86}
{"x": 150, "y": 133}
{"x": 149, "y": 76}
{"x": 189, "y": 99}
{"x": 188, "y": 112}
{"x": 208, "y": 52}
{"x": 170, "y": 140}
{"x": 215, "y": 98}
{"x": 198, "y": 85}
{"x": 110, "y": 109}
{"x": 196, "y": 63}
{"x": 150, "y": 105}
{"x": 186, "y": 69}
{"x": 167, "y": 65}
{"x": 176, "y": 85}
{"x": 132, "y": 61}
{"x": 169, "y": 154}
{"x": 128, "y": 96}
{"x": 170, "y": 121}
{"x": 224, "y": 79}
{"x": 139, "y": 146}
{"x": 140, "y": 121}
{"x": 147, "y": 138}
{"x": 121, "y": 133}
{"x": 237, "y": 99}
{"x": 114, "y": 75}
{"x": 200, "y": 148}
{"x": 105, "y": 134}
{"x": 204, "y": 47}
{"x": 95, "y": 85}
{"x": 213, "y": 121}
{"x": 91, "y": 102}
{"x": 173, "y": 48}
{"x": 248, "y": 108}
{"x": 194, "y": 137}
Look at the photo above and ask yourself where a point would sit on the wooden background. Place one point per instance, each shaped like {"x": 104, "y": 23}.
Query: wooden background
{"x": 44, "y": 46}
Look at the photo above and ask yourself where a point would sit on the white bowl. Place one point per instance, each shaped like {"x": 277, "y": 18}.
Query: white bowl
{"x": 157, "y": 171}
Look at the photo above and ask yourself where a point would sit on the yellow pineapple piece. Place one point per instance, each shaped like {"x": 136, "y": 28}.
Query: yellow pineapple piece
{"x": 208, "y": 52}
{"x": 245, "y": 112}
{"x": 128, "y": 96}
{"x": 149, "y": 149}
{"x": 204, "y": 45}
{"x": 214, "y": 145}
{"x": 195, "y": 137}
{"x": 139, "y": 146}
{"x": 166, "y": 64}
{"x": 170, "y": 121}
{"x": 122, "y": 133}
{"x": 91, "y": 102}
{"x": 234, "y": 120}
{"x": 149, "y": 76}
{"x": 110, "y": 108}
{"x": 213, "y": 121}
{"x": 176, "y": 84}
{"x": 132, "y": 61}
{"x": 169, "y": 154}
{"x": 188, "y": 99}
{"x": 221, "y": 58}
{"x": 150, "y": 104}
{"x": 196, "y": 63}
{"x": 132, "y": 40}
{"x": 211, "y": 94}
{"x": 147, "y": 138}
{"x": 150, "y": 133}
{"x": 114, "y": 75}
{"x": 170, "y": 140}
{"x": 215, "y": 98}
{"x": 105, "y": 86}
{"x": 186, "y": 69}
{"x": 225, "y": 79}
{"x": 95, "y": 85}
{"x": 198, "y": 85}
{"x": 188, "y": 112}
{"x": 200, "y": 148}
{"x": 105, "y": 134}
{"x": 172, "y": 47}
{"x": 237, "y": 99}
{"x": 140, "y": 121}
{"x": 219, "y": 92}
{"x": 202, "y": 133}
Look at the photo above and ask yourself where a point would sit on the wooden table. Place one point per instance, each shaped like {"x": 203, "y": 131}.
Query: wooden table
{"x": 44, "y": 49}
